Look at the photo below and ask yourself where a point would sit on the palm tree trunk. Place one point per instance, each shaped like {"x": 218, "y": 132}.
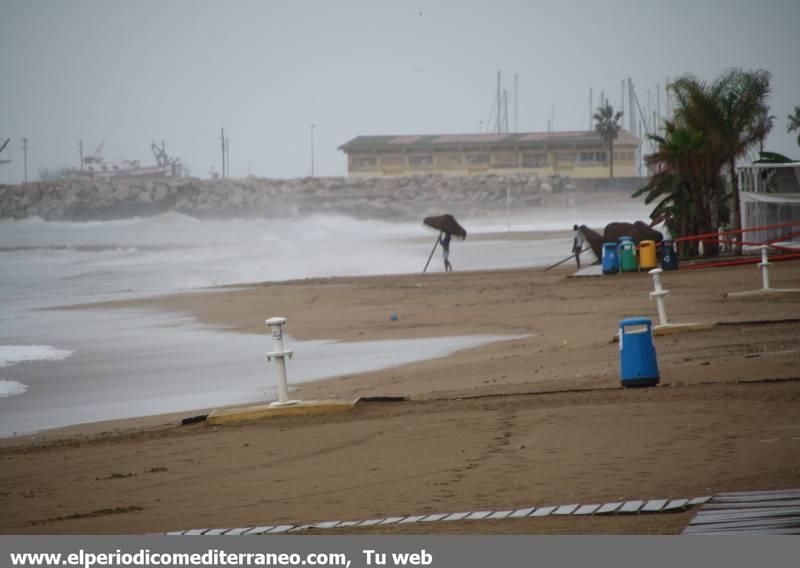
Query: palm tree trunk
{"x": 710, "y": 248}
{"x": 611, "y": 158}
{"x": 737, "y": 212}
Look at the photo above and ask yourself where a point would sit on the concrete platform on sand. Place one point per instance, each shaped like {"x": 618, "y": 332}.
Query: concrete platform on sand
{"x": 762, "y": 292}
{"x": 672, "y": 328}
{"x": 261, "y": 411}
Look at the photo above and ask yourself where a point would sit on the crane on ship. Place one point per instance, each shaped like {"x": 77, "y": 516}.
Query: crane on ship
{"x": 163, "y": 159}
{"x": 3, "y": 144}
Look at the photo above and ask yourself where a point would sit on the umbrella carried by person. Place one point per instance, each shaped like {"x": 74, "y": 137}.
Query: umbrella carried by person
{"x": 444, "y": 224}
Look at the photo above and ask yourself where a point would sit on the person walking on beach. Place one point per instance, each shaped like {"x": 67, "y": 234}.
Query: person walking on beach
{"x": 577, "y": 244}
{"x": 444, "y": 240}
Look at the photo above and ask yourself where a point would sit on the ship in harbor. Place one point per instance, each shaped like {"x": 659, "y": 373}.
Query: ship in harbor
{"x": 95, "y": 166}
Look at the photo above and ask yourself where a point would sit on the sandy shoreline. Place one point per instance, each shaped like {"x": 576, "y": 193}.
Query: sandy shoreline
{"x": 590, "y": 441}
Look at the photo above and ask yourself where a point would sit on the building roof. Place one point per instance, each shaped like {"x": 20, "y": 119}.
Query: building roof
{"x": 430, "y": 141}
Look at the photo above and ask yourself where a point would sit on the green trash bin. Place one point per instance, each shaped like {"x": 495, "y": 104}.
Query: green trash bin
{"x": 627, "y": 256}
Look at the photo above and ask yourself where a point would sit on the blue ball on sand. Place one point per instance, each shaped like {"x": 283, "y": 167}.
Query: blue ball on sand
{"x": 393, "y": 317}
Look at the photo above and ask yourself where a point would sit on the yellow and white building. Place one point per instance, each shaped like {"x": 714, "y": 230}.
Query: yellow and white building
{"x": 573, "y": 154}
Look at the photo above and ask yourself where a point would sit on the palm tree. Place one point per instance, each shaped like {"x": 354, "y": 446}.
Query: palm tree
{"x": 607, "y": 125}
{"x": 767, "y": 121}
{"x": 730, "y": 112}
{"x": 688, "y": 188}
{"x": 794, "y": 123}
{"x": 670, "y": 185}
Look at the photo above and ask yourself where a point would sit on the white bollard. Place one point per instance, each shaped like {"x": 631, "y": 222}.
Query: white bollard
{"x": 764, "y": 266}
{"x": 280, "y": 354}
{"x": 659, "y": 294}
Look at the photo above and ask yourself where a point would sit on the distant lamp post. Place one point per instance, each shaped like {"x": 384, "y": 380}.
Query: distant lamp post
{"x": 313, "y": 126}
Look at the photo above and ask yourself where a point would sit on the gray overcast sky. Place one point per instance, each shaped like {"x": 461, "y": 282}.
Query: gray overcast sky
{"x": 128, "y": 73}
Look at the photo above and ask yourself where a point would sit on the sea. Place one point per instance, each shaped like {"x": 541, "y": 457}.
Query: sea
{"x": 60, "y": 367}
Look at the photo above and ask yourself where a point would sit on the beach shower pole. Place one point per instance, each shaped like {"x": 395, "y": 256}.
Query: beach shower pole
{"x": 508, "y": 207}
{"x": 764, "y": 266}
{"x": 659, "y": 294}
{"x": 279, "y": 354}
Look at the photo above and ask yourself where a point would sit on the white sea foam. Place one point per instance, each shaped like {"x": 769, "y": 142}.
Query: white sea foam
{"x": 47, "y": 263}
{"x": 13, "y": 354}
{"x": 11, "y": 388}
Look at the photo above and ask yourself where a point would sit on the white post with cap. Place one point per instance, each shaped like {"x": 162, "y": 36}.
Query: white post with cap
{"x": 659, "y": 295}
{"x": 280, "y": 354}
{"x": 764, "y": 266}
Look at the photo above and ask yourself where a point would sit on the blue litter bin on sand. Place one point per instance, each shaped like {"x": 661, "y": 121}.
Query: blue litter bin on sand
{"x": 669, "y": 257}
{"x": 610, "y": 258}
{"x": 638, "y": 366}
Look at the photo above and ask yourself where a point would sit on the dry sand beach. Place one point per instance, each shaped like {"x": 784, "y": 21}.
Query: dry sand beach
{"x": 537, "y": 420}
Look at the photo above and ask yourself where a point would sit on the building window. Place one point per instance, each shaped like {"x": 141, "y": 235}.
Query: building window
{"x": 592, "y": 157}
{"x": 564, "y": 157}
{"x": 477, "y": 159}
{"x": 449, "y": 159}
{"x": 421, "y": 161}
{"x": 505, "y": 159}
{"x": 363, "y": 162}
{"x": 392, "y": 161}
{"x": 534, "y": 160}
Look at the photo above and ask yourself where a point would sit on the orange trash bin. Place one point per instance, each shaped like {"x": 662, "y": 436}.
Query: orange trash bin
{"x": 647, "y": 255}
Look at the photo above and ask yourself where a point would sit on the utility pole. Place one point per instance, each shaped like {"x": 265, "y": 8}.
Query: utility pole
{"x": 25, "y": 150}
{"x": 591, "y": 109}
{"x": 313, "y": 126}
{"x": 80, "y": 150}
{"x": 499, "y": 102}
{"x": 631, "y": 112}
{"x": 505, "y": 110}
{"x": 222, "y": 142}
{"x": 641, "y": 148}
{"x": 516, "y": 102}
{"x": 622, "y": 99}
{"x": 658, "y": 108}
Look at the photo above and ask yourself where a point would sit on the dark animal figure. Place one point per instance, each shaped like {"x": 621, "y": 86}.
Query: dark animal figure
{"x": 638, "y": 231}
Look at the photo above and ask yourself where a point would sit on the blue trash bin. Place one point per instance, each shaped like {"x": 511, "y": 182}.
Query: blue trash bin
{"x": 610, "y": 258}
{"x": 638, "y": 366}
{"x": 669, "y": 257}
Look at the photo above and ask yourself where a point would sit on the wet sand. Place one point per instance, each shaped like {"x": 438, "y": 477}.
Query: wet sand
{"x": 528, "y": 422}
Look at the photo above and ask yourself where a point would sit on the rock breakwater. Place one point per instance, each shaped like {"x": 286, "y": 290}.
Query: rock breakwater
{"x": 399, "y": 198}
